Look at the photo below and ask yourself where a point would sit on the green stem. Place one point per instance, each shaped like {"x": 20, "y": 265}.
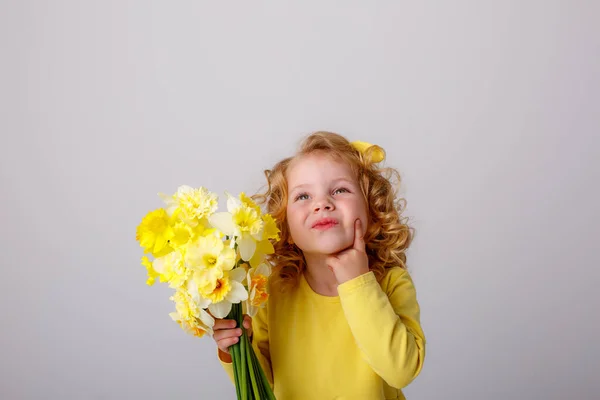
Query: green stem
{"x": 264, "y": 381}
{"x": 243, "y": 365}
{"x": 234, "y": 351}
{"x": 252, "y": 366}
{"x": 263, "y": 384}
{"x": 235, "y": 355}
{"x": 250, "y": 380}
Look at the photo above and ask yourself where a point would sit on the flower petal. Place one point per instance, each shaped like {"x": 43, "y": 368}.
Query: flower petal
{"x": 159, "y": 264}
{"x": 220, "y": 309}
{"x": 207, "y": 320}
{"x": 159, "y": 244}
{"x": 203, "y": 303}
{"x": 266, "y": 247}
{"x": 237, "y": 275}
{"x": 258, "y": 236}
{"x": 192, "y": 288}
{"x": 251, "y": 310}
{"x": 227, "y": 259}
{"x": 237, "y": 293}
{"x": 247, "y": 246}
{"x": 223, "y": 221}
{"x": 263, "y": 269}
{"x": 232, "y": 202}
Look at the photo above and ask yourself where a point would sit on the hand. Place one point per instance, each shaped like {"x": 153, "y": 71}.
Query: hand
{"x": 226, "y": 334}
{"x": 352, "y": 262}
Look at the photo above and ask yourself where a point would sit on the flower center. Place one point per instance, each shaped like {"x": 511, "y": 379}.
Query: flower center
{"x": 222, "y": 287}
{"x": 210, "y": 260}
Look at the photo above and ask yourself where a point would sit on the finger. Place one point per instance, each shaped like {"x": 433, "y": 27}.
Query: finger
{"x": 359, "y": 240}
{"x": 332, "y": 262}
{"x": 226, "y": 343}
{"x": 224, "y": 324}
{"x": 226, "y": 334}
{"x": 247, "y": 323}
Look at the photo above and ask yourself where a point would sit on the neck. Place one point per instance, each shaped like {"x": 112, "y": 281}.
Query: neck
{"x": 318, "y": 275}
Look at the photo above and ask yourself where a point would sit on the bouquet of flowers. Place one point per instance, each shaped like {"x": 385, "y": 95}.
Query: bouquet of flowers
{"x": 214, "y": 261}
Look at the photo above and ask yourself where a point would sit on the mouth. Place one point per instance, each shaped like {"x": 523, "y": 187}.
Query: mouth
{"x": 325, "y": 223}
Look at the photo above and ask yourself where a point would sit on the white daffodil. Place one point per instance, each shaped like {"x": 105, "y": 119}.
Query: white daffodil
{"x": 242, "y": 222}
{"x": 222, "y": 292}
{"x": 258, "y": 279}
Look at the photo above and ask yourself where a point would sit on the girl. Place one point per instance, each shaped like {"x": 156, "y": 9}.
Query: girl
{"x": 342, "y": 320}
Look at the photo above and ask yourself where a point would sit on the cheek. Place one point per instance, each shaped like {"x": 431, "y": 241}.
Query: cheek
{"x": 296, "y": 219}
{"x": 292, "y": 218}
{"x": 356, "y": 208}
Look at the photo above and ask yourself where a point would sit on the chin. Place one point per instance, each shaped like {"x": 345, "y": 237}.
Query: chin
{"x": 331, "y": 247}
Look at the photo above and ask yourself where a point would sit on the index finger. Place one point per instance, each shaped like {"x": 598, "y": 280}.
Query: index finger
{"x": 359, "y": 240}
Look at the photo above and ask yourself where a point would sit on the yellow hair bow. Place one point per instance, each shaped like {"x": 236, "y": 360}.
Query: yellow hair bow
{"x": 377, "y": 155}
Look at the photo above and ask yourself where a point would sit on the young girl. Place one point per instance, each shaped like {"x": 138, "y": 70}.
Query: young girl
{"x": 342, "y": 320}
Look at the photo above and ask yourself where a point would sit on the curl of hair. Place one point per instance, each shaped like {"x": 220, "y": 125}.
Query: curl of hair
{"x": 388, "y": 235}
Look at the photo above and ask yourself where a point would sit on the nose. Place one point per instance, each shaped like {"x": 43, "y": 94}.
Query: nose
{"x": 323, "y": 204}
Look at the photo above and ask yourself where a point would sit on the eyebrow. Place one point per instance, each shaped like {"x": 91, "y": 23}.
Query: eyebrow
{"x": 304, "y": 185}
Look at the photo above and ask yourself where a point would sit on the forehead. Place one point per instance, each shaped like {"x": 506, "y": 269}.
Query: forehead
{"x": 317, "y": 166}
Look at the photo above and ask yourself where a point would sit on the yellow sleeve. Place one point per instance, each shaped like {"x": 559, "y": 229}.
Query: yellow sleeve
{"x": 386, "y": 326}
{"x": 260, "y": 344}
{"x": 227, "y": 366}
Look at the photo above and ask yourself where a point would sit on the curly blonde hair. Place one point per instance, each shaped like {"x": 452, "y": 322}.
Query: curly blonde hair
{"x": 388, "y": 235}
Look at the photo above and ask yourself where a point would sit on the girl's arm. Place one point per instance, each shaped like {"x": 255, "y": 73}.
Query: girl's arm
{"x": 385, "y": 324}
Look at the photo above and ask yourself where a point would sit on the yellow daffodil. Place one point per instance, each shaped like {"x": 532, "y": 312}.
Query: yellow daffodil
{"x": 190, "y": 204}
{"x": 171, "y": 269}
{"x": 258, "y": 279}
{"x": 271, "y": 229}
{"x": 194, "y": 327}
{"x": 206, "y": 257}
{"x": 248, "y": 202}
{"x": 222, "y": 292}
{"x": 241, "y": 222}
{"x": 152, "y": 274}
{"x": 154, "y": 233}
{"x": 208, "y": 254}
{"x": 182, "y": 233}
{"x": 191, "y": 315}
{"x": 263, "y": 248}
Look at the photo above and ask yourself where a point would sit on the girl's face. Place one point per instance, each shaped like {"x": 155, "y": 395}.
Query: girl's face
{"x": 324, "y": 201}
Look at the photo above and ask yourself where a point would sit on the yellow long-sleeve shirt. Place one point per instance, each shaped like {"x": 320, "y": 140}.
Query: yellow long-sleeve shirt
{"x": 366, "y": 343}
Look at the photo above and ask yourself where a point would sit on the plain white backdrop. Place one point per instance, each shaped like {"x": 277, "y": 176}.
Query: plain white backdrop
{"x": 490, "y": 110}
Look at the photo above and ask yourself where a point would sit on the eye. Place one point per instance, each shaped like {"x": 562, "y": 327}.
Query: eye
{"x": 301, "y": 196}
{"x": 341, "y": 190}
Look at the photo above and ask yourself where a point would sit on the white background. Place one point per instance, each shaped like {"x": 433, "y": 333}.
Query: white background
{"x": 490, "y": 110}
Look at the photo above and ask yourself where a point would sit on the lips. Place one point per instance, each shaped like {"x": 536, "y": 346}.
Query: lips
{"x": 325, "y": 223}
